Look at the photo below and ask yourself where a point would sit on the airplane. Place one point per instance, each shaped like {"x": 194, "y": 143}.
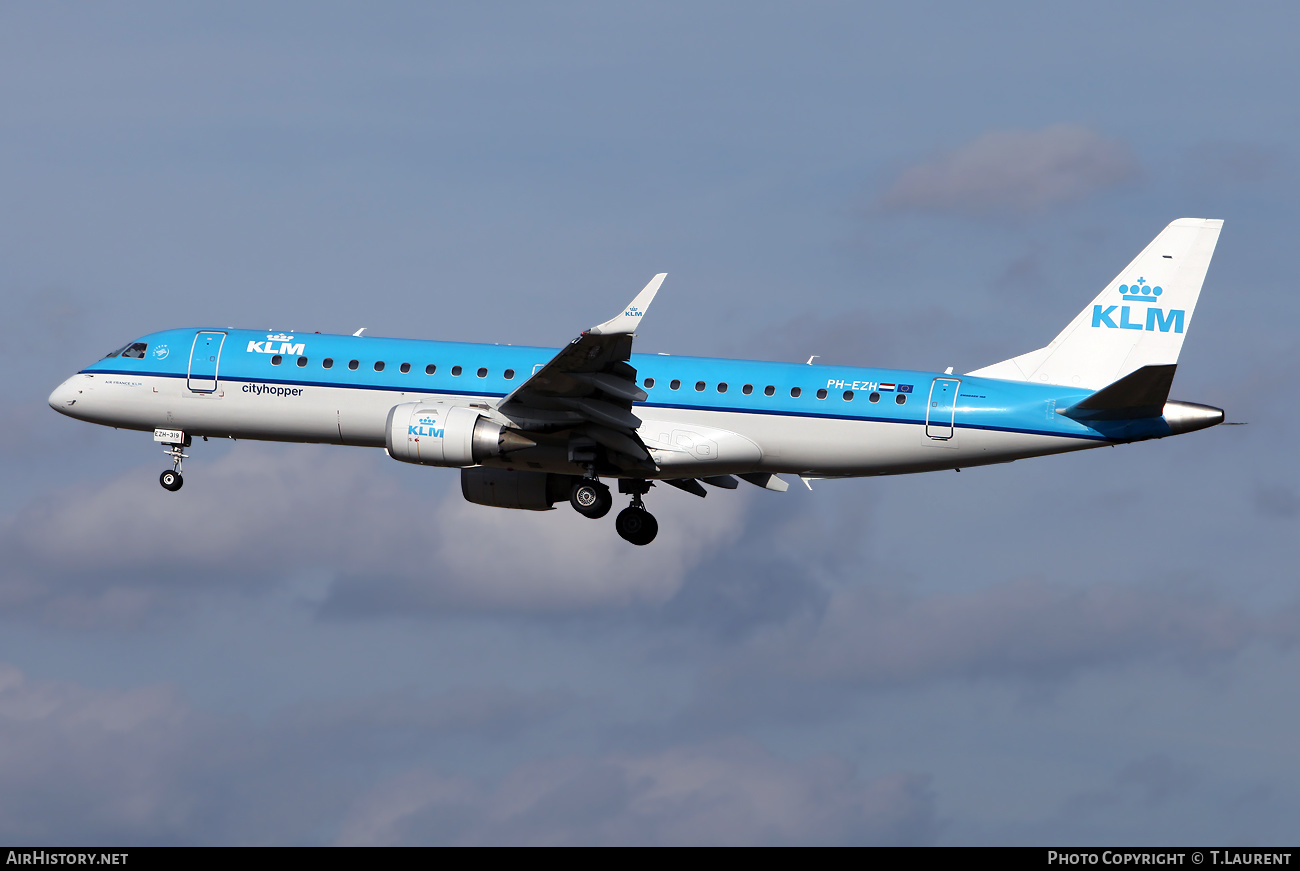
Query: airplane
{"x": 532, "y": 427}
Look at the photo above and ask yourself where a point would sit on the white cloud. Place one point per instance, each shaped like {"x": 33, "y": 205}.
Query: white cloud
{"x": 85, "y": 761}
{"x": 722, "y": 792}
{"x": 142, "y": 765}
{"x": 261, "y": 515}
{"x": 1014, "y": 171}
{"x": 1024, "y": 629}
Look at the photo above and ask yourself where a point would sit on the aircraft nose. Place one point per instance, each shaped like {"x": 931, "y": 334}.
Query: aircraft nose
{"x": 65, "y": 396}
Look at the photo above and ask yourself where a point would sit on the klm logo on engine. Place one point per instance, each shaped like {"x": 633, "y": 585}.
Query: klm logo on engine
{"x": 286, "y": 346}
{"x": 427, "y": 426}
{"x": 1124, "y": 317}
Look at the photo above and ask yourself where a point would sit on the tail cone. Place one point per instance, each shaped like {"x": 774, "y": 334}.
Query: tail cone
{"x": 1188, "y": 416}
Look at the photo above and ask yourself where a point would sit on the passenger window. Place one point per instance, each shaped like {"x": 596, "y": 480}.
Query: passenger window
{"x": 405, "y": 367}
{"x": 747, "y": 389}
{"x": 674, "y": 384}
{"x": 699, "y": 385}
{"x": 510, "y": 374}
{"x": 327, "y": 363}
{"x": 649, "y": 382}
{"x": 901, "y": 398}
{"x": 795, "y": 392}
{"x": 379, "y": 365}
{"x": 848, "y": 395}
{"x": 821, "y": 394}
{"x": 769, "y": 390}
{"x": 275, "y": 361}
{"x": 135, "y": 350}
{"x": 722, "y": 387}
{"x": 353, "y": 364}
{"x": 430, "y": 369}
{"x": 482, "y": 373}
{"x": 875, "y": 397}
{"x": 456, "y": 370}
{"x": 302, "y": 361}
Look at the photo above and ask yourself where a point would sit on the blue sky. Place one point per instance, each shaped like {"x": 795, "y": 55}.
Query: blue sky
{"x": 313, "y": 645}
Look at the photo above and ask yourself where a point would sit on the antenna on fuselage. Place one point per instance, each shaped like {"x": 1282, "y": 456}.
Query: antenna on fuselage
{"x": 359, "y": 332}
{"x": 810, "y": 359}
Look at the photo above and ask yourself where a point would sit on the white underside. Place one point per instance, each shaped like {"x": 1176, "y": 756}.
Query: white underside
{"x": 683, "y": 442}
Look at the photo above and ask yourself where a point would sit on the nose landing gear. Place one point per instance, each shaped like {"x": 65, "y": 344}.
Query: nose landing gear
{"x": 171, "y": 479}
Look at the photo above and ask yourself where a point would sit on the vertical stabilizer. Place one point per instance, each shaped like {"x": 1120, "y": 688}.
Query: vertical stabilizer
{"x": 1139, "y": 320}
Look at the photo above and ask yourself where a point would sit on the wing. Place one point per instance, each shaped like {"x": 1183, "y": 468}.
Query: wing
{"x": 589, "y": 388}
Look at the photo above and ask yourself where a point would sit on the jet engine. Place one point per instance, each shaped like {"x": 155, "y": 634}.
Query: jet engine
{"x": 439, "y": 434}
{"x": 504, "y": 488}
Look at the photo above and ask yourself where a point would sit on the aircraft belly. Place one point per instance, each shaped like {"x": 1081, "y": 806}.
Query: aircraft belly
{"x": 833, "y": 446}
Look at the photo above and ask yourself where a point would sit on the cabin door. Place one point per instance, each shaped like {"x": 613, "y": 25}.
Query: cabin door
{"x": 941, "y": 408}
{"x": 205, "y": 359}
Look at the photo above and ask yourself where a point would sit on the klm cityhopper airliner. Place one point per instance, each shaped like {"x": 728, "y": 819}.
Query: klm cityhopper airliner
{"x": 530, "y": 427}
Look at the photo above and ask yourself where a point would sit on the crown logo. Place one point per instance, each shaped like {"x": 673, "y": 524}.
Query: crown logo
{"x": 278, "y": 337}
{"x": 428, "y": 421}
{"x": 1141, "y": 292}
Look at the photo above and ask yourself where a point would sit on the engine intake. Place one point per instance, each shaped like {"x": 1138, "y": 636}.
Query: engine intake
{"x": 440, "y": 434}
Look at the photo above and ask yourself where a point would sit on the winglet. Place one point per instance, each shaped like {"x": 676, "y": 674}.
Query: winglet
{"x": 626, "y": 323}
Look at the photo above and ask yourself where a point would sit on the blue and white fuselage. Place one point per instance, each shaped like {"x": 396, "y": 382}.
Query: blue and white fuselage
{"x": 538, "y": 422}
{"x": 866, "y": 421}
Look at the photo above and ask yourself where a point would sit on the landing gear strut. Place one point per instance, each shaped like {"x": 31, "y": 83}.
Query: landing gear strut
{"x": 171, "y": 479}
{"x": 634, "y": 523}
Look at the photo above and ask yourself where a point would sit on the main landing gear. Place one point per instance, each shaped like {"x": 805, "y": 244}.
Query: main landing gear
{"x": 634, "y": 524}
{"x": 590, "y": 498}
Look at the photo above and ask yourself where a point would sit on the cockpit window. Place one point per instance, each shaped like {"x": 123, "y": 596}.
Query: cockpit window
{"x": 135, "y": 349}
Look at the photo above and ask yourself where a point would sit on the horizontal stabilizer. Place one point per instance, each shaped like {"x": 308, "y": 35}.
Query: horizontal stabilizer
{"x": 1138, "y": 394}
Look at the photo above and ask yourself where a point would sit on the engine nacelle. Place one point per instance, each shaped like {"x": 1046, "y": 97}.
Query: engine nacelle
{"x": 440, "y": 434}
{"x": 502, "y": 488}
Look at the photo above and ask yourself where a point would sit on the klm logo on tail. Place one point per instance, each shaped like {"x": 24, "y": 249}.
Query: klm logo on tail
{"x": 1156, "y": 318}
